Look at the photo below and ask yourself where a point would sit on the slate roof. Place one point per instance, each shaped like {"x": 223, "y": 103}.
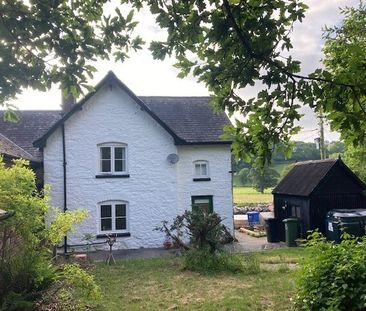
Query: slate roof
{"x": 9, "y": 148}
{"x": 191, "y": 118}
{"x": 32, "y": 124}
{"x": 188, "y": 120}
{"x": 304, "y": 177}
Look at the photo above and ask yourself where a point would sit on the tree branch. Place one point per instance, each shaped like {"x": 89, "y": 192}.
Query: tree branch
{"x": 245, "y": 40}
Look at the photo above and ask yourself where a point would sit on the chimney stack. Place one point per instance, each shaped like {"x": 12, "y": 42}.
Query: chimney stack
{"x": 68, "y": 102}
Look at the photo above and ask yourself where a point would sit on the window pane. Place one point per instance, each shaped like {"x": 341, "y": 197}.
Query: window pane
{"x": 105, "y": 152}
{"x": 197, "y": 169}
{"x": 105, "y": 211}
{"x": 203, "y": 169}
{"x": 119, "y": 165}
{"x": 120, "y": 223}
{"x": 105, "y": 165}
{"x": 204, "y": 206}
{"x": 119, "y": 152}
{"x": 202, "y": 203}
{"x": 120, "y": 210}
{"x": 106, "y": 224}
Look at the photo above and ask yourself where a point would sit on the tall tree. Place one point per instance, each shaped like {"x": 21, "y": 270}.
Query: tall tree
{"x": 335, "y": 148}
{"x": 227, "y": 44}
{"x": 263, "y": 177}
{"x": 233, "y": 44}
{"x": 355, "y": 158}
{"x": 344, "y": 58}
{"x": 46, "y": 42}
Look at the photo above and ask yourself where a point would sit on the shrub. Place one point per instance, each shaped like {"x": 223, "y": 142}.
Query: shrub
{"x": 26, "y": 267}
{"x": 197, "y": 229}
{"x": 334, "y": 277}
{"x": 23, "y": 268}
{"x": 70, "y": 292}
{"x": 201, "y": 236}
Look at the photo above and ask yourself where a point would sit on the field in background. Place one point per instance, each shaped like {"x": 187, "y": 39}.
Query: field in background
{"x": 245, "y": 195}
{"x": 279, "y": 167}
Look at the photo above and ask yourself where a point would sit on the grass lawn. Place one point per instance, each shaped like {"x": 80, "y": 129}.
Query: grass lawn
{"x": 162, "y": 284}
{"x": 244, "y": 195}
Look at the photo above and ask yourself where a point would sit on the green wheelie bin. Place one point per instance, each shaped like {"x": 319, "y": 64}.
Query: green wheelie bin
{"x": 292, "y": 231}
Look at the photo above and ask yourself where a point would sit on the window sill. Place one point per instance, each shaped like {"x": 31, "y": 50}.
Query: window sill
{"x": 113, "y": 176}
{"x": 118, "y": 235}
{"x": 202, "y": 179}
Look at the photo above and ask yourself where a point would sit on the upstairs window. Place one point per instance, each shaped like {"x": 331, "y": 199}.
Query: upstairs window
{"x": 113, "y": 217}
{"x": 201, "y": 169}
{"x": 113, "y": 159}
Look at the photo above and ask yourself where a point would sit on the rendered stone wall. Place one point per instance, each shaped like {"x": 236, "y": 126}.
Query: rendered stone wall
{"x": 219, "y": 160}
{"x": 155, "y": 191}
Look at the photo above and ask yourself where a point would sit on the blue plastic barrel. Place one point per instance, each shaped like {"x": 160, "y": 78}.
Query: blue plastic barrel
{"x": 253, "y": 218}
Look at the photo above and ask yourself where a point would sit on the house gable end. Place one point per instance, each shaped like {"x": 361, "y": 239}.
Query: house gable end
{"x": 109, "y": 79}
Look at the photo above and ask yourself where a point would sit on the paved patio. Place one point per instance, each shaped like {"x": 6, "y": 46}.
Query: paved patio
{"x": 140, "y": 253}
{"x": 245, "y": 243}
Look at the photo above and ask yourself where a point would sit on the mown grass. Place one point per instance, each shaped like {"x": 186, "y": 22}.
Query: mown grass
{"x": 283, "y": 255}
{"x": 246, "y": 195}
{"x": 163, "y": 284}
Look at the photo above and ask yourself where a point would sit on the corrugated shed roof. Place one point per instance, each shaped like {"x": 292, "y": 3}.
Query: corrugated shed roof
{"x": 191, "y": 118}
{"x": 304, "y": 177}
{"x": 32, "y": 124}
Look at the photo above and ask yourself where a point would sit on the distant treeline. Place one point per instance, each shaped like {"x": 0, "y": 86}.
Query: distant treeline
{"x": 247, "y": 175}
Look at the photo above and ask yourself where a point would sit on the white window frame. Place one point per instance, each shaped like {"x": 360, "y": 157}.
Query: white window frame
{"x": 200, "y": 162}
{"x": 113, "y": 203}
{"x": 112, "y": 146}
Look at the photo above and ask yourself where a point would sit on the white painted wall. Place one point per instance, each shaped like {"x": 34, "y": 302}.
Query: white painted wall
{"x": 155, "y": 190}
{"x": 219, "y": 160}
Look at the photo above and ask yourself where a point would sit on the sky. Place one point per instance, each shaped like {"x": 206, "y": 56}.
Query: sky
{"x": 148, "y": 77}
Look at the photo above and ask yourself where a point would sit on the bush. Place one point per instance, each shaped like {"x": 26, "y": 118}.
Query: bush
{"x": 23, "y": 266}
{"x": 334, "y": 277}
{"x": 201, "y": 236}
{"x": 197, "y": 229}
{"x": 70, "y": 292}
{"x": 26, "y": 266}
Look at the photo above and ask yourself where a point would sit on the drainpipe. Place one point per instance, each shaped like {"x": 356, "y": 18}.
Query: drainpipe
{"x": 64, "y": 177}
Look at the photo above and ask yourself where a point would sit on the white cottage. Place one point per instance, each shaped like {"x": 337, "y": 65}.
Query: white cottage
{"x": 134, "y": 162}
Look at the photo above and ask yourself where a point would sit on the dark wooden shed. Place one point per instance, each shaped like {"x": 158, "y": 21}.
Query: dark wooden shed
{"x": 313, "y": 188}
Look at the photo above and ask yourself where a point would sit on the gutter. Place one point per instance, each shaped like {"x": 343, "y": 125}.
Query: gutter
{"x": 64, "y": 163}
